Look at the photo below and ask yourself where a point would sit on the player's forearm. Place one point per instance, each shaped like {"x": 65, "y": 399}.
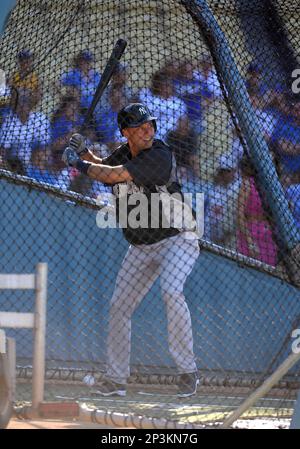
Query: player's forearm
{"x": 108, "y": 175}
{"x": 90, "y": 157}
{"x": 99, "y": 172}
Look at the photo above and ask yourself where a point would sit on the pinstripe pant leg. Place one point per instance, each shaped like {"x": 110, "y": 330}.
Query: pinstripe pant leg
{"x": 178, "y": 261}
{"x": 135, "y": 278}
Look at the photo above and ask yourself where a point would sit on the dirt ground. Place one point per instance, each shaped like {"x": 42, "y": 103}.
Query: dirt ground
{"x": 16, "y": 423}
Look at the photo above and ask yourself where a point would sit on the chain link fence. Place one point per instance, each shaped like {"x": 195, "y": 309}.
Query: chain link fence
{"x": 243, "y": 292}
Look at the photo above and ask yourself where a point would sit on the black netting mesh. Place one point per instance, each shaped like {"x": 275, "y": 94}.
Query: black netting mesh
{"x": 242, "y": 294}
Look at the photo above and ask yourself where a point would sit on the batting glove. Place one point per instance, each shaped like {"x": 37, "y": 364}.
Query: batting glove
{"x": 77, "y": 143}
{"x": 70, "y": 157}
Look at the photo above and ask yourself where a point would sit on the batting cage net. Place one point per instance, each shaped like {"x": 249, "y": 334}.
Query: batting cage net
{"x": 217, "y": 82}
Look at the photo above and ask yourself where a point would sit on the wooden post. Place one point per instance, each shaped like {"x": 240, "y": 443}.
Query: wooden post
{"x": 39, "y": 335}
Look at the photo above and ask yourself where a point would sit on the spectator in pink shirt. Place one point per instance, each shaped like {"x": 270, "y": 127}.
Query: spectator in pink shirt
{"x": 254, "y": 235}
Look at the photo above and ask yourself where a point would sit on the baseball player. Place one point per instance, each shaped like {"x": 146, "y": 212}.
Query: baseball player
{"x": 143, "y": 166}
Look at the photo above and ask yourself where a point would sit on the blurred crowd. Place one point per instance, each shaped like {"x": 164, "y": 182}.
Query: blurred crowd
{"x": 192, "y": 117}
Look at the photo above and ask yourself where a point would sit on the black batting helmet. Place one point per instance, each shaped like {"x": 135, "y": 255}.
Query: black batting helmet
{"x": 134, "y": 115}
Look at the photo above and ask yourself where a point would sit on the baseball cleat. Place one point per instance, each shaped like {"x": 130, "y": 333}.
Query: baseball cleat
{"x": 110, "y": 388}
{"x": 187, "y": 385}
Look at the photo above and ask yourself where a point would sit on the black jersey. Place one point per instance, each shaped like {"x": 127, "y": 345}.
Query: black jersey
{"x": 153, "y": 170}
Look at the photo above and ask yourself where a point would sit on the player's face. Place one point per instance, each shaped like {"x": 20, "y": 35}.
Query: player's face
{"x": 141, "y": 137}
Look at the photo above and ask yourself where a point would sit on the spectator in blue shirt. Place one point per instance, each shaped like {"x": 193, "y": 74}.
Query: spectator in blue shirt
{"x": 82, "y": 80}
{"x": 106, "y": 121}
{"x": 286, "y": 142}
{"x": 254, "y": 79}
{"x": 293, "y": 195}
{"x": 257, "y": 86}
{"x": 65, "y": 122}
{"x": 194, "y": 91}
{"x": 40, "y": 169}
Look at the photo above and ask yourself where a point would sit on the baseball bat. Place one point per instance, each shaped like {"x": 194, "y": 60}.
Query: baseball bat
{"x": 110, "y": 67}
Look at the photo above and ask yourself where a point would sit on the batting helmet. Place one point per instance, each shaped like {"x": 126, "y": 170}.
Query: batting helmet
{"x": 134, "y": 115}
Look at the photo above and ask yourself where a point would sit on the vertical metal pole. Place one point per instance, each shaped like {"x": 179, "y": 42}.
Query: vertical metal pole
{"x": 38, "y": 375}
{"x": 295, "y": 423}
{"x": 2, "y": 342}
{"x": 12, "y": 362}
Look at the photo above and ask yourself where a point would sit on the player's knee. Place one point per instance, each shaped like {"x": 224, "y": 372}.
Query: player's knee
{"x": 119, "y": 307}
{"x": 172, "y": 295}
